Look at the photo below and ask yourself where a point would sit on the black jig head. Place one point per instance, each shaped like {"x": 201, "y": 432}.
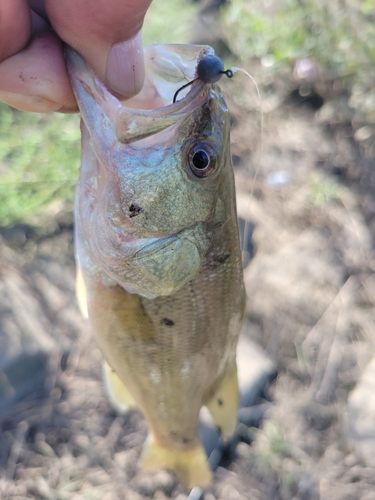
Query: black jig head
{"x": 209, "y": 70}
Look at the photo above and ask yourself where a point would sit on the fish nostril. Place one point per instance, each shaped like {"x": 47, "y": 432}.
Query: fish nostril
{"x": 135, "y": 210}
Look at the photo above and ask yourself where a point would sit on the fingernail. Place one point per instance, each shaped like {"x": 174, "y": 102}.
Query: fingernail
{"x": 125, "y": 67}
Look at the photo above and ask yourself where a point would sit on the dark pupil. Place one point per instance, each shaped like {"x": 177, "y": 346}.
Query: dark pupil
{"x": 200, "y": 160}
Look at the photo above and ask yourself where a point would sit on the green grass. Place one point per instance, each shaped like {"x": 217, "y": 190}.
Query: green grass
{"x": 39, "y": 163}
{"x": 339, "y": 35}
{"x": 169, "y": 21}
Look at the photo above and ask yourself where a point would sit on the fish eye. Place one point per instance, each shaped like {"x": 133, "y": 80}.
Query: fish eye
{"x": 202, "y": 159}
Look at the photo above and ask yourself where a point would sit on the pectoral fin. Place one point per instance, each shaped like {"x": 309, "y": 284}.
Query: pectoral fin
{"x": 81, "y": 292}
{"x": 118, "y": 395}
{"x": 223, "y": 406}
{"x": 190, "y": 465}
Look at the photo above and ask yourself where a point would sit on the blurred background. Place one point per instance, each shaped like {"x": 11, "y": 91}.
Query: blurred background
{"x": 305, "y": 188}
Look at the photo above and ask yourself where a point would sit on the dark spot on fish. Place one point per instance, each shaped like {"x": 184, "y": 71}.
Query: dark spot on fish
{"x": 220, "y": 401}
{"x": 167, "y": 322}
{"x": 135, "y": 210}
{"x": 220, "y": 259}
{"x": 217, "y": 260}
{"x": 178, "y": 438}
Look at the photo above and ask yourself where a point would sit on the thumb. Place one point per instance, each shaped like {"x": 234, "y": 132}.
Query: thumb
{"x": 107, "y": 34}
{"x": 125, "y": 71}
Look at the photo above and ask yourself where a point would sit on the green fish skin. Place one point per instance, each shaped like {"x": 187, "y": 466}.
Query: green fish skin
{"x": 158, "y": 252}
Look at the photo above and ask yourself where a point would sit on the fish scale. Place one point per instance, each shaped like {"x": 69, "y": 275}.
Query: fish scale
{"x": 158, "y": 253}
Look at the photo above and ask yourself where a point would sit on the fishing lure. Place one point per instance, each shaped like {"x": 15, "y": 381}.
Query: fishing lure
{"x": 209, "y": 70}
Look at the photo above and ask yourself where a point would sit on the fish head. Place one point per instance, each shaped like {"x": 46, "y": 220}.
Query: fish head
{"x": 152, "y": 187}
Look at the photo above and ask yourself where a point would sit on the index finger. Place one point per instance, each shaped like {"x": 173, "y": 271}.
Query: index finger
{"x": 15, "y": 27}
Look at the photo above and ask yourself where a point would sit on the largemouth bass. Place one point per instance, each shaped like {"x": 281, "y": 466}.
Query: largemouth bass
{"x": 158, "y": 252}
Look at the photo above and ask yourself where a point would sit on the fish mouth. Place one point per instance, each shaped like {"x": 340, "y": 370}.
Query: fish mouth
{"x": 152, "y": 110}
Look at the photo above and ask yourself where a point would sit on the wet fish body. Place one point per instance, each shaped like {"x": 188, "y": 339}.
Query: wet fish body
{"x": 158, "y": 252}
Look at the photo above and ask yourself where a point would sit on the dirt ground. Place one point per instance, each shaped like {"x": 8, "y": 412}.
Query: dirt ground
{"x": 311, "y": 293}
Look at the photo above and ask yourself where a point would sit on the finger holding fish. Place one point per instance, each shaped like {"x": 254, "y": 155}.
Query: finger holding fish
{"x": 33, "y": 72}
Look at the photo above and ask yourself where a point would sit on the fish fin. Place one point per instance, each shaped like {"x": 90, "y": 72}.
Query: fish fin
{"x": 223, "y": 405}
{"x": 191, "y": 465}
{"x": 118, "y": 395}
{"x": 81, "y": 292}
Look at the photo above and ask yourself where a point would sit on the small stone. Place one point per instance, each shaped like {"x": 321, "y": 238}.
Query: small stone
{"x": 362, "y": 134}
{"x": 42, "y": 488}
{"x": 209, "y": 496}
{"x": 243, "y": 450}
{"x": 254, "y": 370}
{"x": 350, "y": 460}
{"x": 145, "y": 485}
{"x": 165, "y": 481}
{"x": 305, "y": 70}
{"x": 45, "y": 449}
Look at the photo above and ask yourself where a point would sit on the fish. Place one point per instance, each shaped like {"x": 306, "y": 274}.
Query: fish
{"x": 159, "y": 269}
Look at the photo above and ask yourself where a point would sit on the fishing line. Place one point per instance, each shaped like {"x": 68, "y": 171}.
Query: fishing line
{"x": 234, "y": 69}
{"x": 209, "y": 70}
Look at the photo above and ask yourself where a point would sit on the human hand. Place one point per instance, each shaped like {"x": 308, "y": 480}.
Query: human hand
{"x": 33, "y": 74}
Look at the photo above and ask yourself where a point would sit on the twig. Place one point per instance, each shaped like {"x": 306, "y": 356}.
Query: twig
{"x": 331, "y": 350}
{"x": 16, "y": 449}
